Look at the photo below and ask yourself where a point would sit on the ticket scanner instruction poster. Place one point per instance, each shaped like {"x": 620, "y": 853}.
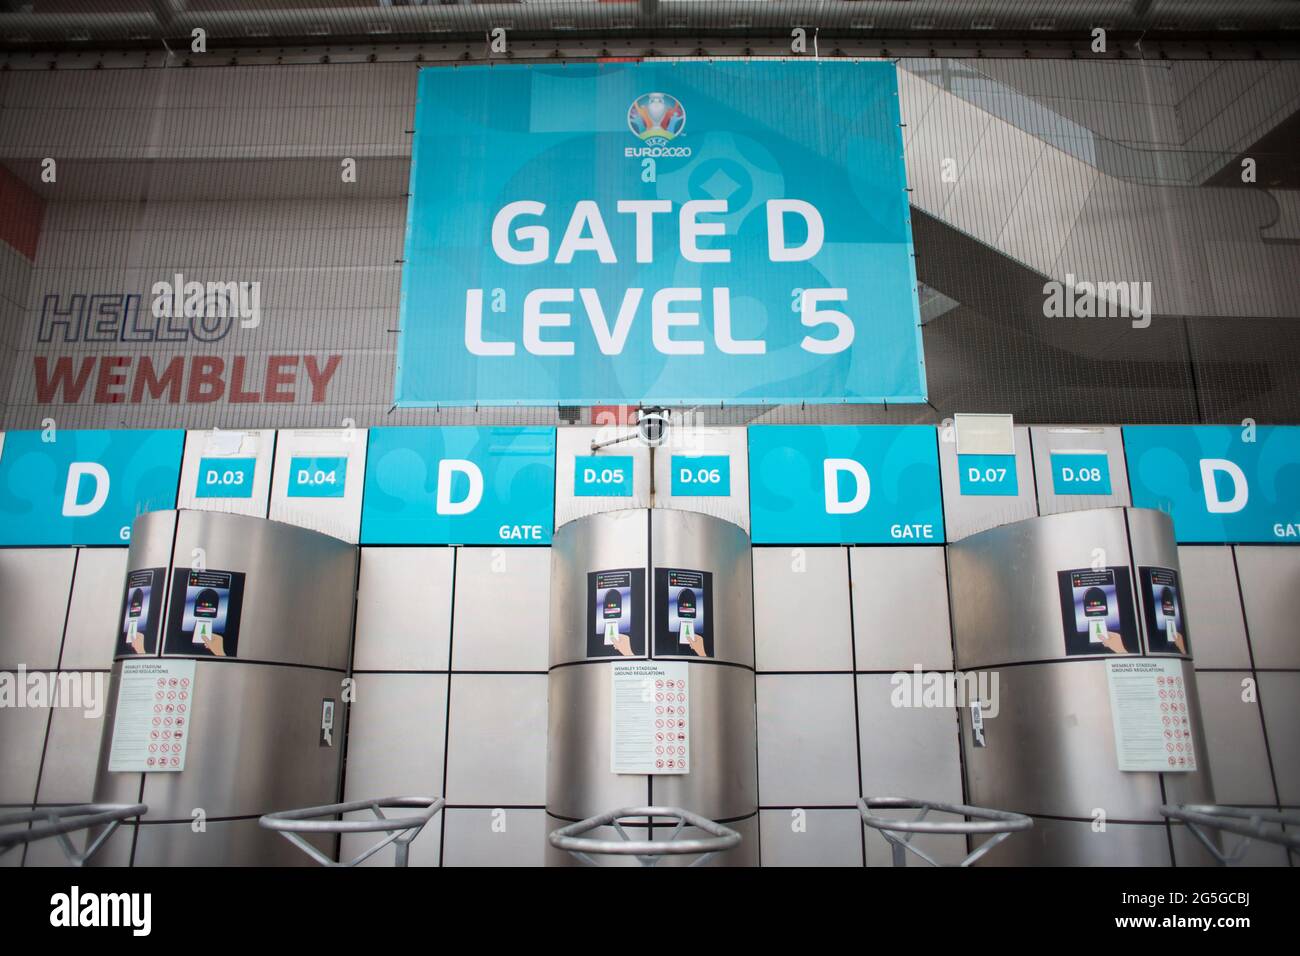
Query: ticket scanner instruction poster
{"x": 1162, "y": 599}
{"x": 1097, "y": 611}
{"x": 141, "y": 612}
{"x": 616, "y": 613}
{"x": 683, "y": 613}
{"x": 204, "y": 616}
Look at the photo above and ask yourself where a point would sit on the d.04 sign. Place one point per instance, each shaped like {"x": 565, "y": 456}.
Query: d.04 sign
{"x": 317, "y": 477}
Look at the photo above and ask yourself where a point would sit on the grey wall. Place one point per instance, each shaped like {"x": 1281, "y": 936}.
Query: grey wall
{"x": 451, "y": 696}
{"x": 1241, "y": 604}
{"x": 58, "y": 611}
{"x": 829, "y": 632}
{"x": 15, "y": 278}
{"x": 1061, "y": 167}
{"x": 1064, "y": 199}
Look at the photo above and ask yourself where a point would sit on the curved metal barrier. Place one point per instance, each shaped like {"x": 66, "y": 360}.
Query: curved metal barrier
{"x": 647, "y": 852}
{"x": 1266, "y": 825}
{"x": 1001, "y": 823}
{"x": 401, "y": 830}
{"x": 60, "y": 821}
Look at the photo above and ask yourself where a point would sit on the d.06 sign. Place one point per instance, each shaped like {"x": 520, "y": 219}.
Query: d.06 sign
{"x": 704, "y": 475}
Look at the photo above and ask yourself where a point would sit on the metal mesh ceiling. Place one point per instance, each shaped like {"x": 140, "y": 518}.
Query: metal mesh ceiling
{"x": 69, "y": 23}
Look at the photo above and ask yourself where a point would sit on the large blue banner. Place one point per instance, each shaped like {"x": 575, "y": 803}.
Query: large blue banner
{"x": 670, "y": 232}
{"x": 84, "y": 487}
{"x": 1219, "y": 483}
{"x": 459, "y": 485}
{"x": 845, "y": 484}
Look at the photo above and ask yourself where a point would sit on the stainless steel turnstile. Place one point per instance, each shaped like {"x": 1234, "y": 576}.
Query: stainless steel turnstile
{"x": 617, "y": 550}
{"x": 1041, "y": 605}
{"x": 256, "y": 707}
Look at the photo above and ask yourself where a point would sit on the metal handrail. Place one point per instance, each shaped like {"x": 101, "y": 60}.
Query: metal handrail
{"x": 1001, "y": 823}
{"x": 60, "y": 821}
{"x": 1228, "y": 819}
{"x": 647, "y": 852}
{"x": 401, "y": 830}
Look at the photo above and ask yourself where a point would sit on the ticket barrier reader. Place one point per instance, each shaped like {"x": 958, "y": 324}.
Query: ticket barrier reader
{"x": 717, "y": 839}
{"x": 976, "y": 821}
{"x": 21, "y": 827}
{"x": 1206, "y": 822}
{"x": 400, "y": 831}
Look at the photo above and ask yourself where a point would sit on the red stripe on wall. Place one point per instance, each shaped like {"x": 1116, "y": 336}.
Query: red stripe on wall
{"x": 21, "y": 214}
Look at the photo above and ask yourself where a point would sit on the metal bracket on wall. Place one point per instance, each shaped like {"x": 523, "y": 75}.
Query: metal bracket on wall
{"x": 1266, "y": 825}
{"x": 647, "y": 852}
{"x": 401, "y": 830}
{"x": 1000, "y": 823}
{"x": 60, "y": 821}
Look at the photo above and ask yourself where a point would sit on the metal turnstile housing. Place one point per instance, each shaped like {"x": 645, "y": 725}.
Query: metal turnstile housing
{"x": 1050, "y": 752}
{"x": 722, "y": 784}
{"x": 254, "y": 742}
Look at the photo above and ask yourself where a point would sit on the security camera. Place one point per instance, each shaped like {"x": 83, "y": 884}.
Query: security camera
{"x": 652, "y": 426}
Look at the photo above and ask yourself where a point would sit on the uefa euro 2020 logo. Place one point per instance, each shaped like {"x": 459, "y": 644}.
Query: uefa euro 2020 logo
{"x": 656, "y": 118}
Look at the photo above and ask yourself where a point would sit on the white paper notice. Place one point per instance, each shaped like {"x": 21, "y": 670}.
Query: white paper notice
{"x": 222, "y": 443}
{"x": 649, "y": 720}
{"x": 151, "y": 729}
{"x": 1150, "y": 714}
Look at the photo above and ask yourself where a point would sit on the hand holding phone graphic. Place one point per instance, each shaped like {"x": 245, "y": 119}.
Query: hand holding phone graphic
{"x": 1095, "y": 610}
{"x": 206, "y": 603}
{"x": 611, "y": 610}
{"x": 687, "y": 610}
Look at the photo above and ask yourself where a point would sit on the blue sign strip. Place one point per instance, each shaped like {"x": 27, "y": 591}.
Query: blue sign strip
{"x": 838, "y": 484}
{"x": 1221, "y": 484}
{"x": 85, "y": 487}
{"x": 845, "y": 484}
{"x": 458, "y": 485}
